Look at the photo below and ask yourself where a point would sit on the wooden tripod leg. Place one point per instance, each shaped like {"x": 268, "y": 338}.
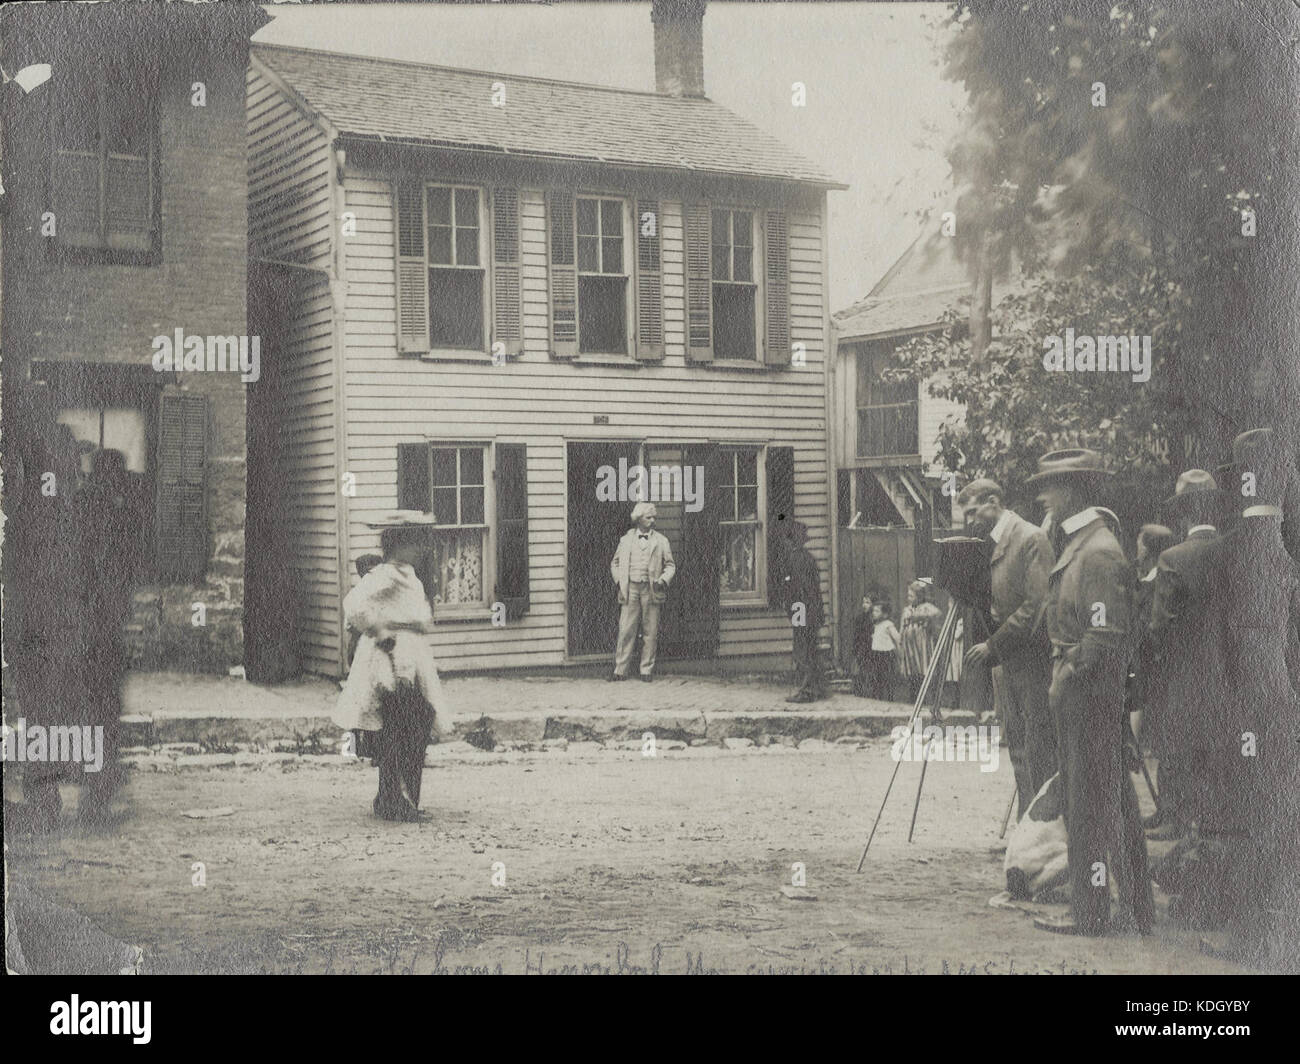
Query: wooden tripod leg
{"x": 944, "y": 654}
{"x": 949, "y": 623}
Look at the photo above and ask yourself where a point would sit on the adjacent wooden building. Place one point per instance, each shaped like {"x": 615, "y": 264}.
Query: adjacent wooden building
{"x": 480, "y": 294}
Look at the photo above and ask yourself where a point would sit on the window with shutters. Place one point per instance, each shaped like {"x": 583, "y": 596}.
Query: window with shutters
{"x": 604, "y": 268}
{"x": 743, "y": 545}
{"x": 449, "y": 481}
{"x": 103, "y": 182}
{"x": 735, "y": 290}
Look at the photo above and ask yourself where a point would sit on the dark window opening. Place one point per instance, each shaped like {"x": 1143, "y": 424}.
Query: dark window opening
{"x": 456, "y": 308}
{"x": 602, "y": 314}
{"x": 734, "y": 330}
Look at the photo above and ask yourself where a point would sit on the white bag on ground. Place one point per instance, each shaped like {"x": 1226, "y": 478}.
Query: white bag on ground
{"x": 1036, "y": 853}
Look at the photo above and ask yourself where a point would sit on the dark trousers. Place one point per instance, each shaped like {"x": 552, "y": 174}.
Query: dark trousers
{"x": 407, "y": 718}
{"x": 880, "y": 674}
{"x": 1020, "y": 696}
{"x": 807, "y": 666}
{"x": 1103, "y": 828}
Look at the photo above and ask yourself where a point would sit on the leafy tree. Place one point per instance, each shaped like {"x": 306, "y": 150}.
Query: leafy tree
{"x": 1147, "y": 153}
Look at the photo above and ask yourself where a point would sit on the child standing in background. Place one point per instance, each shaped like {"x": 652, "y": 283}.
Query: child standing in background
{"x": 863, "y": 623}
{"x": 885, "y": 642}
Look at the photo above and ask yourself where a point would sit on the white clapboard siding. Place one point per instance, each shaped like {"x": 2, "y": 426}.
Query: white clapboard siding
{"x": 931, "y": 414}
{"x": 289, "y": 210}
{"x": 391, "y": 400}
{"x": 290, "y": 220}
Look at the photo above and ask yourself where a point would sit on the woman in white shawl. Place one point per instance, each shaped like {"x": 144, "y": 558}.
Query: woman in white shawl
{"x": 393, "y": 685}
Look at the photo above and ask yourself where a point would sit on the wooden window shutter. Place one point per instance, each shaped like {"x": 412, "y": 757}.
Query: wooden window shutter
{"x": 649, "y": 282}
{"x": 699, "y": 282}
{"x": 128, "y": 203}
{"x": 776, "y": 295}
{"x": 780, "y": 513}
{"x": 507, "y": 285}
{"x": 564, "y": 274}
{"x": 413, "y": 491}
{"x": 74, "y": 182}
{"x": 412, "y": 269}
{"x": 512, "y": 528}
{"x": 182, "y": 537}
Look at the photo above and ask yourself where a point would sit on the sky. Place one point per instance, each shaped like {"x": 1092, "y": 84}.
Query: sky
{"x": 878, "y": 113}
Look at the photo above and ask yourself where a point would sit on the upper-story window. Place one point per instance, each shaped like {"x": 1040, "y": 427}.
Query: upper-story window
{"x": 887, "y": 410}
{"x": 104, "y": 128}
{"x": 604, "y": 267}
{"x": 456, "y": 251}
{"x": 735, "y": 290}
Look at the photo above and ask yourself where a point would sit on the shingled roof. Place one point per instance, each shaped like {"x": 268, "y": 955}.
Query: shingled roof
{"x": 401, "y": 101}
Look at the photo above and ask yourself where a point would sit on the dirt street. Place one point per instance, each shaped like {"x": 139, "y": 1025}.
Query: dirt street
{"x": 581, "y": 859}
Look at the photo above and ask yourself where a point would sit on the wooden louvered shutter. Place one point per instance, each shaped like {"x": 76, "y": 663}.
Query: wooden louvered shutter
{"x": 512, "y": 528}
{"x": 128, "y": 202}
{"x": 776, "y": 295}
{"x": 564, "y": 274}
{"x": 412, "y": 269}
{"x": 649, "y": 282}
{"x": 780, "y": 513}
{"x": 507, "y": 295}
{"x": 413, "y": 492}
{"x": 699, "y": 283}
{"x": 182, "y": 539}
{"x": 74, "y": 181}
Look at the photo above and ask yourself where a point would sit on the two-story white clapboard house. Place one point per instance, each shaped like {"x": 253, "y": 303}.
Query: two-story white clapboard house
{"x": 483, "y": 296}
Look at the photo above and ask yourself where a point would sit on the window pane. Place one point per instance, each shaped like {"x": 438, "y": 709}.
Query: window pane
{"x": 733, "y": 321}
{"x": 444, "y": 506}
{"x": 457, "y": 567}
{"x": 439, "y": 206}
{"x": 722, "y": 227}
{"x": 466, "y": 247}
{"x": 747, "y": 468}
{"x": 588, "y": 222}
{"x": 738, "y": 558}
{"x": 440, "y": 245}
{"x": 602, "y": 315}
{"x": 721, "y": 262}
{"x": 127, "y": 121}
{"x": 456, "y": 308}
{"x": 612, "y": 255}
{"x": 444, "y": 467}
{"x": 744, "y": 259}
{"x": 471, "y": 506}
{"x": 588, "y": 254}
{"x": 77, "y": 124}
{"x": 611, "y": 217}
{"x": 471, "y": 465}
{"x": 742, "y": 228}
{"x": 747, "y": 506}
{"x": 729, "y": 472}
{"x": 467, "y": 206}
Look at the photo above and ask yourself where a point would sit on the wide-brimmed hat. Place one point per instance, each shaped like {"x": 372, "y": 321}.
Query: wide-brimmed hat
{"x": 1076, "y": 463}
{"x": 402, "y": 519}
{"x": 1193, "y": 484}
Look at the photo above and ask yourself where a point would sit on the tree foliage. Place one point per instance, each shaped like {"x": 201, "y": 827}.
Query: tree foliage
{"x": 1116, "y": 160}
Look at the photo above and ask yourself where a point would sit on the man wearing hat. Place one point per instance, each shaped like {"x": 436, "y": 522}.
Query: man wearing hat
{"x": 802, "y": 596}
{"x": 1184, "y": 636}
{"x": 1088, "y": 606}
{"x": 1018, "y": 650}
{"x": 642, "y": 568}
{"x": 1252, "y": 769}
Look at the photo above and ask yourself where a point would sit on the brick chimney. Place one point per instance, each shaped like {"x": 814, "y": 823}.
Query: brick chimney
{"x": 679, "y": 46}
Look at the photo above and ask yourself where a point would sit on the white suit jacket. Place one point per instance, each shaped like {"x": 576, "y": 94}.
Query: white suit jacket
{"x": 659, "y": 565}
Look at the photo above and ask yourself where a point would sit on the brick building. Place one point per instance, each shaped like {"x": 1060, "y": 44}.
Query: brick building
{"x": 125, "y": 219}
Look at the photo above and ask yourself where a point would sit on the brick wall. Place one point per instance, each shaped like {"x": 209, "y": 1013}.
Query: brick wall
{"x": 101, "y": 312}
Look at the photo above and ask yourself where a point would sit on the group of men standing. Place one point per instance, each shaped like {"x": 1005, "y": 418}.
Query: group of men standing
{"x": 1198, "y": 643}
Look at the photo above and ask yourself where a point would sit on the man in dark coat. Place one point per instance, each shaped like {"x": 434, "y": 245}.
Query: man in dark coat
{"x": 1252, "y": 803}
{"x": 1183, "y": 635}
{"x": 1018, "y": 650}
{"x": 1088, "y": 618}
{"x": 803, "y": 603}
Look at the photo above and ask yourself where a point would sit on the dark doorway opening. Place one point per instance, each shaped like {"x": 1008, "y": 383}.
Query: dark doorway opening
{"x": 594, "y": 530}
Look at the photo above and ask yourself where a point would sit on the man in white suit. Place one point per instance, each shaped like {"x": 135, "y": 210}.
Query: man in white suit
{"x": 642, "y": 568}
